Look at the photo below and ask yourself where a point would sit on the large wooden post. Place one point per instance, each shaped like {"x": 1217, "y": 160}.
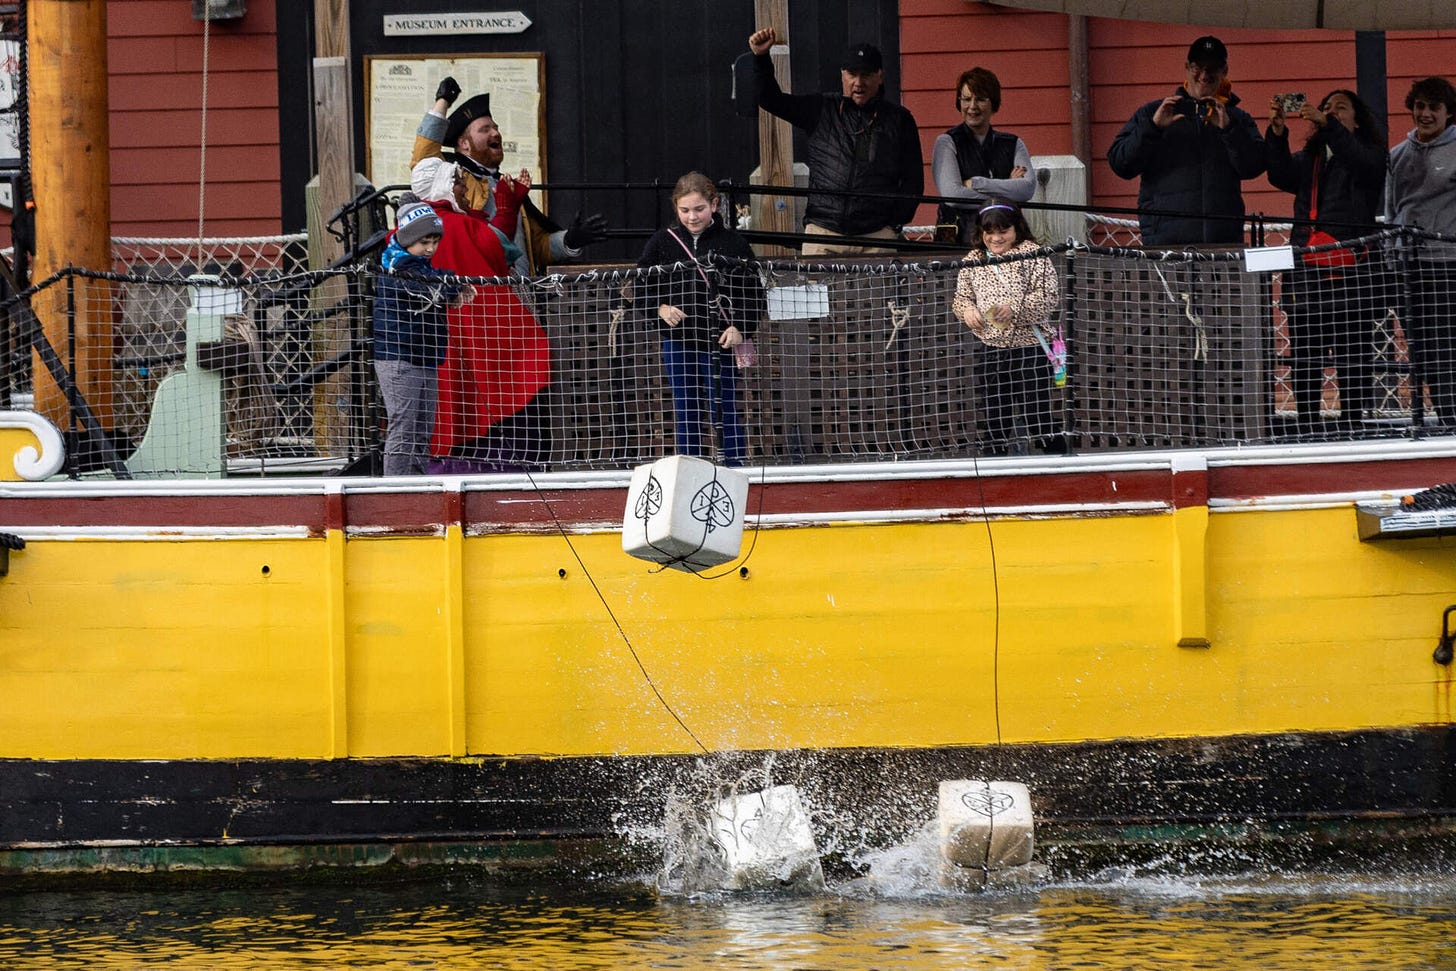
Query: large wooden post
{"x": 333, "y": 119}
{"x": 333, "y": 113}
{"x": 1080, "y": 73}
{"x": 775, "y": 214}
{"x": 71, "y": 176}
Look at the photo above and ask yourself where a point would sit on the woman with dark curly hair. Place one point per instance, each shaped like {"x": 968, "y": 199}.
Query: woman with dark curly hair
{"x": 1333, "y": 298}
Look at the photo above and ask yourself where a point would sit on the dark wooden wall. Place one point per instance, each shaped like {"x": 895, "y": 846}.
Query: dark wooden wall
{"x": 635, "y": 91}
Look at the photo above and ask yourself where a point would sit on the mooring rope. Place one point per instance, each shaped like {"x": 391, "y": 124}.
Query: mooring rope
{"x": 621, "y": 632}
{"x": 995, "y": 609}
{"x": 202, "y": 146}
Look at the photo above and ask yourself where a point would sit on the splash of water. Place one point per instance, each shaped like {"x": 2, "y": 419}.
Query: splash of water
{"x": 694, "y": 828}
{"x": 866, "y": 862}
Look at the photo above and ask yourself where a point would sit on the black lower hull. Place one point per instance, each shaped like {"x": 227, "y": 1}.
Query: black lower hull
{"x": 1095, "y": 803}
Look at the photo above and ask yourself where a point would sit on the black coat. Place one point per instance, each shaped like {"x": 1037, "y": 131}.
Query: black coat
{"x": 743, "y": 297}
{"x": 1352, "y": 181}
{"x": 1191, "y": 169}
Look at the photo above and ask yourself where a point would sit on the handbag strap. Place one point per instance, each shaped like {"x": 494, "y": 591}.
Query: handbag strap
{"x": 691, "y": 255}
{"x": 712, "y": 290}
{"x": 1041, "y": 339}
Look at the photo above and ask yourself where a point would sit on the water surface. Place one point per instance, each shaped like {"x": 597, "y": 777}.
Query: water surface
{"x": 459, "y": 920}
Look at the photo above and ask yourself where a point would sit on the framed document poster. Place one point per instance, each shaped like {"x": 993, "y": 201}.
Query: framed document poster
{"x": 401, "y": 89}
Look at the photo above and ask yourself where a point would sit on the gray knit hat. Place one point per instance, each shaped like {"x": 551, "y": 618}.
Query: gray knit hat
{"x": 416, "y": 221}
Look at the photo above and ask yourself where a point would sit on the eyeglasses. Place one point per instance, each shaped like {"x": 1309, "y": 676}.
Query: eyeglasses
{"x": 1207, "y": 70}
{"x": 963, "y": 101}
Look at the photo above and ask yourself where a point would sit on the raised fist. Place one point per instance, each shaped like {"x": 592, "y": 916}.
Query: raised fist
{"x": 448, "y": 91}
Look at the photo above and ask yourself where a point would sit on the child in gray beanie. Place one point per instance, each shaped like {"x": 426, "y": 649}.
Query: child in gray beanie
{"x": 411, "y": 333}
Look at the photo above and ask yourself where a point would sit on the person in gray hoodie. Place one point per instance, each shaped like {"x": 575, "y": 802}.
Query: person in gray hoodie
{"x": 1420, "y": 191}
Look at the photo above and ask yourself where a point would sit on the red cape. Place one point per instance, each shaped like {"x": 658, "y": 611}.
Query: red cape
{"x": 498, "y": 358}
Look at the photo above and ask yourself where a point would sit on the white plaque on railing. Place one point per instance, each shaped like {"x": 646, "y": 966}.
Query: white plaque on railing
{"x": 1267, "y": 259}
{"x": 798, "y": 303}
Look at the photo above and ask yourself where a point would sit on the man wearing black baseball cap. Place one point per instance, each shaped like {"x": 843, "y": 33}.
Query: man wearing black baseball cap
{"x": 861, "y": 148}
{"x": 1192, "y": 150}
{"x": 1208, "y": 50}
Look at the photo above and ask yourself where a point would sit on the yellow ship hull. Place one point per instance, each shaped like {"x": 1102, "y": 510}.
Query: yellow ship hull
{"x": 958, "y": 611}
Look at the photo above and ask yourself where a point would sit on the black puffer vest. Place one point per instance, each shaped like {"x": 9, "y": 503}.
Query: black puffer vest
{"x": 994, "y": 158}
{"x": 858, "y": 149}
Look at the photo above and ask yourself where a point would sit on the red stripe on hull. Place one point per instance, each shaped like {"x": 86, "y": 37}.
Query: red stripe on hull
{"x": 525, "y": 509}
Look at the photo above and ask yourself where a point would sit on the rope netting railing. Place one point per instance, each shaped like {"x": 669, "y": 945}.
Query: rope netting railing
{"x": 862, "y": 360}
{"x": 167, "y": 257}
{"x": 1107, "y": 230}
{"x": 236, "y": 256}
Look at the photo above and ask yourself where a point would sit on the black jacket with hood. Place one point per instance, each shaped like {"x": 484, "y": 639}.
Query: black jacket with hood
{"x": 739, "y": 286}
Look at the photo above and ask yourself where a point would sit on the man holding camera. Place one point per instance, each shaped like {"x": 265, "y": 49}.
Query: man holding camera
{"x": 1192, "y": 150}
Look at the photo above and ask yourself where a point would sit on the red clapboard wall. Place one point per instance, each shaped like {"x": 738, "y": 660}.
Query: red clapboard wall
{"x": 1130, "y": 62}
{"x": 155, "y": 56}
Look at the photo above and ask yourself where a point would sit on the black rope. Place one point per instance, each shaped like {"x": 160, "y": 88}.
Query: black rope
{"x": 995, "y": 612}
{"x": 560, "y": 528}
{"x": 671, "y": 560}
{"x": 753, "y": 544}
{"x": 1436, "y": 497}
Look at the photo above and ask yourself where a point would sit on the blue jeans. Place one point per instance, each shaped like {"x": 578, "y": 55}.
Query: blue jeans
{"x": 704, "y": 382}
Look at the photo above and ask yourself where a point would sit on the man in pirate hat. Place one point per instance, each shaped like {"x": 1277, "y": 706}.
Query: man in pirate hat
{"x": 473, "y": 141}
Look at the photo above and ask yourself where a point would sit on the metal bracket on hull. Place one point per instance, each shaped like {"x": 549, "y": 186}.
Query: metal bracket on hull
{"x": 8, "y": 542}
{"x": 1377, "y": 521}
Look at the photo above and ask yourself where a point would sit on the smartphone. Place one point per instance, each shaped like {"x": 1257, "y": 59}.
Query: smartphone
{"x": 1290, "y": 104}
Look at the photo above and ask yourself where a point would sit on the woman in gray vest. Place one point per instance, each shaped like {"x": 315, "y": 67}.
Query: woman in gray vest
{"x": 973, "y": 162}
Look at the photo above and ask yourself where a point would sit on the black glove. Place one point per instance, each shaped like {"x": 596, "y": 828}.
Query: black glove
{"x": 584, "y": 232}
{"x": 449, "y": 89}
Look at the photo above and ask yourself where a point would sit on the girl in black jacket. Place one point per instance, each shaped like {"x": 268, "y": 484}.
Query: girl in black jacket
{"x": 1338, "y": 181}
{"x": 705, "y": 311}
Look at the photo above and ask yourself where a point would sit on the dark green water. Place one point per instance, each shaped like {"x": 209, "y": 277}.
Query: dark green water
{"x": 459, "y": 920}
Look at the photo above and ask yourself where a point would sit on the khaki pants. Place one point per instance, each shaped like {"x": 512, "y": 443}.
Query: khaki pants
{"x": 828, "y": 248}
